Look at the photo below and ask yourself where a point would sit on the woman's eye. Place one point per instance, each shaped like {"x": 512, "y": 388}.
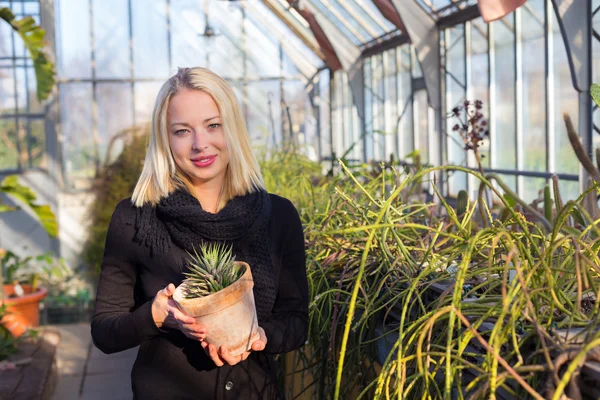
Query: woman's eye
{"x": 180, "y": 132}
{"x": 214, "y": 126}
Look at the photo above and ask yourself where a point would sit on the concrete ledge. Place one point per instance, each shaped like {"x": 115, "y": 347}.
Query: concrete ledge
{"x": 35, "y": 375}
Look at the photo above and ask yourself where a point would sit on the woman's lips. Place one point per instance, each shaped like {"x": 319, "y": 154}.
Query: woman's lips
{"x": 204, "y": 161}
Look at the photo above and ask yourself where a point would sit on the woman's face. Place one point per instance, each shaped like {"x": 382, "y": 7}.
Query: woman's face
{"x": 196, "y": 137}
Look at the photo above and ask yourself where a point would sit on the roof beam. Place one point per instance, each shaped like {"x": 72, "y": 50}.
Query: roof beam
{"x": 293, "y": 24}
{"x": 331, "y": 58}
{"x": 388, "y": 10}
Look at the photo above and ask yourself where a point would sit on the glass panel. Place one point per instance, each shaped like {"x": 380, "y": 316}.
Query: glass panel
{"x": 37, "y": 144}
{"x": 352, "y": 123}
{"x": 340, "y": 10}
{"x": 337, "y": 119}
{"x": 19, "y": 45}
{"x": 111, "y": 38}
{"x": 534, "y": 90}
{"x": 292, "y": 39}
{"x": 378, "y": 111}
{"x": 225, "y": 51}
{"x": 533, "y": 188}
{"x": 422, "y": 124}
{"x": 186, "y": 46}
{"x": 150, "y": 39}
{"x": 455, "y": 97}
{"x": 294, "y": 99}
{"x": 34, "y": 105}
{"x": 114, "y": 114}
{"x": 145, "y": 95}
{"x": 391, "y": 103}
{"x": 263, "y": 60}
{"x": 7, "y": 91}
{"x": 405, "y": 125}
{"x": 569, "y": 190}
{"x": 369, "y": 13}
{"x": 6, "y": 46}
{"x": 566, "y": 100}
{"x": 8, "y": 144}
{"x": 503, "y": 128}
{"x": 79, "y": 148}
{"x": 264, "y": 113}
{"x": 369, "y": 105}
{"x": 355, "y": 36}
{"x": 73, "y": 43}
{"x": 480, "y": 77}
{"x": 21, "y": 90}
{"x": 324, "y": 116}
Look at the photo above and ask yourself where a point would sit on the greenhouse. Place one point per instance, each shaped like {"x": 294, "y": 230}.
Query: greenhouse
{"x": 407, "y": 190}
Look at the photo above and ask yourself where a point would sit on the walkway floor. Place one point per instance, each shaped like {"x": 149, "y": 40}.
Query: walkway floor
{"x": 85, "y": 373}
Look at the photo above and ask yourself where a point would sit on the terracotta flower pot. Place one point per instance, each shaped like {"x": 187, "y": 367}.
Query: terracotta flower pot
{"x": 229, "y": 315}
{"x": 23, "y": 311}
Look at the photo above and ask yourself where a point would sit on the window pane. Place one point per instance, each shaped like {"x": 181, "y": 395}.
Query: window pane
{"x": 37, "y": 144}
{"x": 324, "y": 116}
{"x": 8, "y": 144}
{"x": 264, "y": 113}
{"x": 187, "y": 47}
{"x": 339, "y": 134}
{"x": 73, "y": 42}
{"x": 455, "y": 96}
{"x": 480, "y": 77}
{"x": 378, "y": 111}
{"x": 225, "y": 51}
{"x": 145, "y": 96}
{"x": 7, "y": 91}
{"x": 111, "y": 38}
{"x": 391, "y": 102}
{"x": 114, "y": 115}
{"x": 534, "y": 90}
{"x": 150, "y": 39}
{"x": 566, "y": 100}
{"x": 6, "y": 49}
{"x": 34, "y": 105}
{"x": 405, "y": 111}
{"x": 533, "y": 188}
{"x": 422, "y": 124}
{"x": 263, "y": 60}
{"x": 369, "y": 105}
{"x": 503, "y": 128}
{"x": 79, "y": 149}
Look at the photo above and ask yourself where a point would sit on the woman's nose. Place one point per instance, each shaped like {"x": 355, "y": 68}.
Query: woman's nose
{"x": 200, "y": 140}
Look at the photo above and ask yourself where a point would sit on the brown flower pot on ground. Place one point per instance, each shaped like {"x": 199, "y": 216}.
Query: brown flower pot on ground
{"x": 23, "y": 311}
{"x": 229, "y": 315}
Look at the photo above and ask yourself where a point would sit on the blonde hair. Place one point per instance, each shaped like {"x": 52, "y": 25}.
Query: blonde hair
{"x": 160, "y": 174}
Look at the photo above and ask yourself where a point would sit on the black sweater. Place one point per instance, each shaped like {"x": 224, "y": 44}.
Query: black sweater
{"x": 169, "y": 365}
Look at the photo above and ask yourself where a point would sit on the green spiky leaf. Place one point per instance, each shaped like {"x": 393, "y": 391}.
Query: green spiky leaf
{"x": 595, "y": 92}
{"x": 211, "y": 270}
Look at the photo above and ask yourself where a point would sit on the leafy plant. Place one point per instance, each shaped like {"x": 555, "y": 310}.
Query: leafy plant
{"x": 33, "y": 37}
{"x": 26, "y": 196}
{"x": 115, "y": 181}
{"x": 211, "y": 270}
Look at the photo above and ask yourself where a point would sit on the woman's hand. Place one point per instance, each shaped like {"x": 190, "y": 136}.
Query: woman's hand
{"x": 221, "y": 356}
{"x": 166, "y": 313}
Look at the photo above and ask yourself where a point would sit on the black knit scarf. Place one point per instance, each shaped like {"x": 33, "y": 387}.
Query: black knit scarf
{"x": 243, "y": 222}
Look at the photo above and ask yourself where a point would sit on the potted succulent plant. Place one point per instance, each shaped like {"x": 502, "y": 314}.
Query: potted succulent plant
{"x": 217, "y": 292}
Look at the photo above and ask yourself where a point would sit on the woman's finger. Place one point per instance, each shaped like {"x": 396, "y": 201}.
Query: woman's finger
{"x": 224, "y": 353}
{"x": 181, "y": 317}
{"x": 212, "y": 352}
{"x": 260, "y": 344}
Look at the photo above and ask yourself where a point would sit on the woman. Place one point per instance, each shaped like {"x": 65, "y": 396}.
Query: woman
{"x": 200, "y": 182}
